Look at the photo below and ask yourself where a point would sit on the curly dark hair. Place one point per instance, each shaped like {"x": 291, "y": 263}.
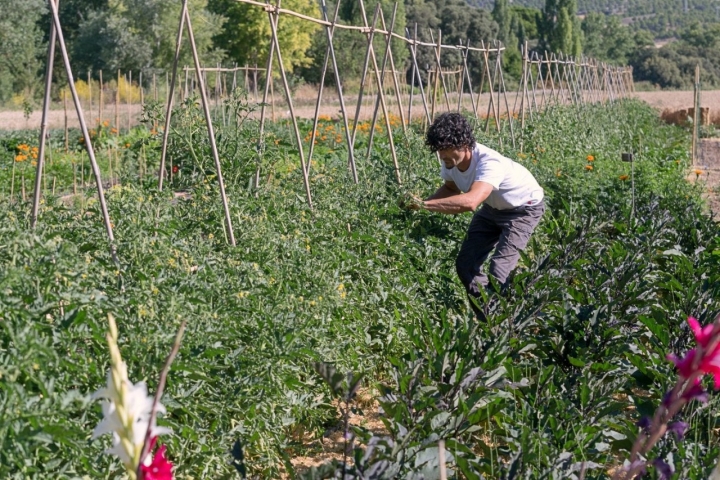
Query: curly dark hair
{"x": 449, "y": 130}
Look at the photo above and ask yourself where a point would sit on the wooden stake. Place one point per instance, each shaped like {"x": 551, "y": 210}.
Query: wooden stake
{"x": 211, "y": 132}
{"x": 368, "y": 53}
{"x": 273, "y": 16}
{"x": 313, "y": 134}
{"x": 43, "y": 125}
{"x": 117, "y": 107}
{"x": 100, "y": 109}
{"x": 83, "y": 127}
{"x": 329, "y": 33}
{"x": 170, "y": 97}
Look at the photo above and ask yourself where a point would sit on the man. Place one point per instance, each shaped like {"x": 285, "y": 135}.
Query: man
{"x": 512, "y": 202}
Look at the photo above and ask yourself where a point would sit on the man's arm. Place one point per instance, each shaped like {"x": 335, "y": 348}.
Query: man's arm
{"x": 448, "y": 189}
{"x": 458, "y": 202}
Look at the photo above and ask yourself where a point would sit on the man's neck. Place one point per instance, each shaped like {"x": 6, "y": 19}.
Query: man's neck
{"x": 465, "y": 164}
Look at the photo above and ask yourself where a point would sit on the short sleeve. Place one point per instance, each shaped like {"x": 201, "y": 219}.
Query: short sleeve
{"x": 489, "y": 170}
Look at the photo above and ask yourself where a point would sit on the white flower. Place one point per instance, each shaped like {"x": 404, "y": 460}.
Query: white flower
{"x": 126, "y": 410}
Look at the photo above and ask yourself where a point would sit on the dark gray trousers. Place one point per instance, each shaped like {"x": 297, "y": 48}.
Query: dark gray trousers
{"x": 508, "y": 232}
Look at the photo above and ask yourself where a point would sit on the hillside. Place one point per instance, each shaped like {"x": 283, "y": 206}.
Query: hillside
{"x": 659, "y": 16}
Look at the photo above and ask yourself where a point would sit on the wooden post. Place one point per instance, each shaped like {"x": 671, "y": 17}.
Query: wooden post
{"x": 84, "y": 129}
{"x": 378, "y": 81}
{"x": 313, "y": 134}
{"x": 396, "y": 85}
{"x": 329, "y": 30}
{"x": 368, "y": 53}
{"x": 263, "y": 110}
{"x": 438, "y": 53}
{"x": 129, "y": 99}
{"x": 412, "y": 81}
{"x": 697, "y": 116}
{"x": 273, "y": 16}
{"x": 89, "y": 84}
{"x": 381, "y": 85}
{"x": 467, "y": 74}
{"x": 171, "y": 97}
{"x": 208, "y": 120}
{"x": 117, "y": 107}
{"x": 416, "y": 68}
{"x": 67, "y": 139}
{"x": 43, "y": 124}
{"x": 102, "y": 99}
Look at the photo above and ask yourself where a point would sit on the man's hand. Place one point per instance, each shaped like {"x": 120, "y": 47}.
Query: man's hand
{"x": 410, "y": 202}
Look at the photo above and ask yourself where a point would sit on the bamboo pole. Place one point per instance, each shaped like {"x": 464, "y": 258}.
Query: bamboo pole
{"x": 437, "y": 74}
{"x": 89, "y": 84}
{"x": 412, "y": 81}
{"x": 83, "y": 127}
{"x": 378, "y": 81}
{"x": 171, "y": 96}
{"x": 128, "y": 100}
{"x": 313, "y": 134}
{"x": 413, "y": 54}
{"x": 117, "y": 107}
{"x": 67, "y": 137}
{"x": 44, "y": 124}
{"x": 208, "y": 120}
{"x": 273, "y": 16}
{"x": 102, "y": 100}
{"x": 438, "y": 53}
{"x": 696, "y": 115}
{"x": 491, "y": 81}
{"x": 368, "y": 53}
{"x": 263, "y": 111}
{"x": 329, "y": 31}
{"x": 507, "y": 105}
{"x": 396, "y": 84}
{"x": 381, "y": 85}
{"x": 467, "y": 74}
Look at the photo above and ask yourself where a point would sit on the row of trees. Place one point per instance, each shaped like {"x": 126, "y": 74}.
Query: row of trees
{"x": 139, "y": 36}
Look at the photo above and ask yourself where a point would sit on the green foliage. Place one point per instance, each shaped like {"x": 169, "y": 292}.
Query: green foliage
{"x": 572, "y": 356}
{"x": 21, "y": 47}
{"x": 140, "y": 36}
{"x": 246, "y": 36}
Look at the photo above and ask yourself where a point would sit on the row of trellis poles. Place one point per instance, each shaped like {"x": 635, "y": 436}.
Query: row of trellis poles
{"x": 546, "y": 80}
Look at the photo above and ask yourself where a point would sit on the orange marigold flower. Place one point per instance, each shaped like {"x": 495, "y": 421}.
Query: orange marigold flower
{"x": 697, "y": 171}
{"x": 323, "y": 138}
{"x": 20, "y": 158}
{"x": 338, "y": 139}
{"x": 113, "y": 130}
{"x": 590, "y": 158}
{"x": 588, "y": 167}
{"x": 624, "y": 177}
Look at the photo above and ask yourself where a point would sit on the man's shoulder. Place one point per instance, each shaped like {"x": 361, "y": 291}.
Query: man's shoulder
{"x": 485, "y": 153}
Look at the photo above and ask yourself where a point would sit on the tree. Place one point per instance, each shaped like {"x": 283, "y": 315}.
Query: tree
{"x": 559, "y": 27}
{"x": 246, "y": 35}
{"x": 139, "y": 35}
{"x": 21, "y": 47}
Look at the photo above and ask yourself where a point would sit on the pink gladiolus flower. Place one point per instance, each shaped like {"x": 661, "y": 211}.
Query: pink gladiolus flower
{"x": 710, "y": 362}
{"x": 702, "y": 334}
{"x": 159, "y": 468}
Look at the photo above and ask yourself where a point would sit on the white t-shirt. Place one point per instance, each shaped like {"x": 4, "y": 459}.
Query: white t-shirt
{"x": 513, "y": 185}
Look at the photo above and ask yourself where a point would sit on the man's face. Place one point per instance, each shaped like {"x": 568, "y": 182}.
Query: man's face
{"x": 452, "y": 157}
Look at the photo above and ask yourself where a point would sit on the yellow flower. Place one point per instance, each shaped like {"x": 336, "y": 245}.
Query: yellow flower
{"x": 588, "y": 167}
{"x": 522, "y": 155}
{"x": 624, "y": 177}
{"x": 590, "y": 158}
